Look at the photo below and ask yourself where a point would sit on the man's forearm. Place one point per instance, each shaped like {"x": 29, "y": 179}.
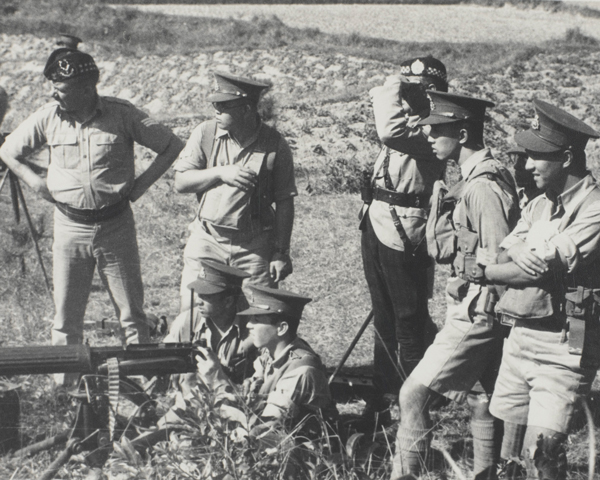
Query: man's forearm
{"x": 509, "y": 274}
{"x": 28, "y": 176}
{"x": 197, "y": 181}
{"x": 284, "y": 222}
{"x": 159, "y": 166}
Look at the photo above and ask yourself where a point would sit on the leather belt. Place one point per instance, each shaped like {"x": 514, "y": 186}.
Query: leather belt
{"x": 401, "y": 199}
{"x": 548, "y": 324}
{"x": 88, "y": 216}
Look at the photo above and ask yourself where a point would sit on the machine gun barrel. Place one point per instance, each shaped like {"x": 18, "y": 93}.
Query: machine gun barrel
{"x": 142, "y": 359}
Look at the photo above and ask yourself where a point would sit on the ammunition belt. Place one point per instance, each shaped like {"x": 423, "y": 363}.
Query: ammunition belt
{"x": 401, "y": 199}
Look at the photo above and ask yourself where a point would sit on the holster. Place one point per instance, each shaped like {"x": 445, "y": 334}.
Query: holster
{"x": 458, "y": 288}
{"x": 582, "y": 308}
{"x": 366, "y": 194}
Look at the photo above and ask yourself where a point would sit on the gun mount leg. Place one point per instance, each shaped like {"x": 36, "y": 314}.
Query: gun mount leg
{"x": 62, "y": 459}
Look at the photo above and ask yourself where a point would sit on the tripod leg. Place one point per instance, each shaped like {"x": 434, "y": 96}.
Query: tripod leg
{"x": 361, "y": 330}
{"x": 14, "y": 196}
{"x": 4, "y": 180}
{"x": 33, "y": 235}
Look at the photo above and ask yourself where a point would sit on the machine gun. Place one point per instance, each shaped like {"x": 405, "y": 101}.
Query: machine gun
{"x": 103, "y": 384}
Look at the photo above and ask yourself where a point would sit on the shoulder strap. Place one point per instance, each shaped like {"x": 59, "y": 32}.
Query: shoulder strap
{"x": 207, "y": 143}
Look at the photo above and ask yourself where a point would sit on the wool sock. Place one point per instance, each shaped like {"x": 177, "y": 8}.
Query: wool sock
{"x": 484, "y": 446}
{"x": 412, "y": 449}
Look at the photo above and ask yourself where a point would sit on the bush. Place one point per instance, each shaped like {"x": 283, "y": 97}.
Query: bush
{"x": 344, "y": 175}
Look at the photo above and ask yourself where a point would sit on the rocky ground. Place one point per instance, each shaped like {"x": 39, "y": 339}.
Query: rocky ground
{"x": 320, "y": 101}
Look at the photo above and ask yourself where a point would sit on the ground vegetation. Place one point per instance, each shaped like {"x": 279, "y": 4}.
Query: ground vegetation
{"x": 319, "y": 102}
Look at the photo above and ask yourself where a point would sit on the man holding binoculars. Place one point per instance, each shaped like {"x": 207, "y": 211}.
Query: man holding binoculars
{"x": 393, "y": 219}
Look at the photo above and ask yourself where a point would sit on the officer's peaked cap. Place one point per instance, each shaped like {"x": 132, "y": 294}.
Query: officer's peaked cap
{"x": 452, "y": 107}
{"x": 272, "y": 301}
{"x": 215, "y": 277}
{"x": 553, "y": 129}
{"x": 67, "y": 63}
{"x": 231, "y": 87}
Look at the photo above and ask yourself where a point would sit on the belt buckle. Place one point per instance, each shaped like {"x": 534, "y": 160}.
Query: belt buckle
{"x": 507, "y": 321}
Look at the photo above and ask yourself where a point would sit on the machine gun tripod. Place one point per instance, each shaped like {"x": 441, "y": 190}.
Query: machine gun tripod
{"x": 16, "y": 194}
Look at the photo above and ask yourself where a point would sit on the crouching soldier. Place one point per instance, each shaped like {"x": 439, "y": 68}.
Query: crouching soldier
{"x": 468, "y": 226}
{"x": 553, "y": 296}
{"x": 289, "y": 375}
{"x": 215, "y": 326}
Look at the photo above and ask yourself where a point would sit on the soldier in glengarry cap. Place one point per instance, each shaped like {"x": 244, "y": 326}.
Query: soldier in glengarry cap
{"x": 239, "y": 168}
{"x": 394, "y": 252}
{"x": 91, "y": 181}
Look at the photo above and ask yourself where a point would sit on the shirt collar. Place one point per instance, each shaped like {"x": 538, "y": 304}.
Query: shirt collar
{"x": 573, "y": 197}
{"x": 469, "y": 165}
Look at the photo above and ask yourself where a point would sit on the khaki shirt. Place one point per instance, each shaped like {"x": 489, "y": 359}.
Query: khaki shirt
{"x": 413, "y": 167}
{"x": 234, "y": 349}
{"x": 227, "y": 151}
{"x": 558, "y": 231}
{"x": 490, "y": 211}
{"x": 293, "y": 383}
{"x": 92, "y": 164}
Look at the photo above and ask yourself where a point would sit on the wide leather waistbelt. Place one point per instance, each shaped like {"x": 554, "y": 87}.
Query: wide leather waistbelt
{"x": 549, "y": 324}
{"x": 401, "y": 199}
{"x": 88, "y": 216}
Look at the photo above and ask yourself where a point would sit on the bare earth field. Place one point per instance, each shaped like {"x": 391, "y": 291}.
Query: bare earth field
{"x": 414, "y": 23}
{"x": 321, "y": 107}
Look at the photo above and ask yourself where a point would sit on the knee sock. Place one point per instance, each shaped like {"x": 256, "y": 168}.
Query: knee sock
{"x": 512, "y": 442}
{"x": 413, "y": 446}
{"x": 484, "y": 446}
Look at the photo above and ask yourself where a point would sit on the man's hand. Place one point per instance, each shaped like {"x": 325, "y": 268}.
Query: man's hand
{"x": 239, "y": 177}
{"x": 280, "y": 267}
{"x": 527, "y": 259}
{"x": 207, "y": 363}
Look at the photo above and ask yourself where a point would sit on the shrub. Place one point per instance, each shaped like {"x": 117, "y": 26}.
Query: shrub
{"x": 345, "y": 175}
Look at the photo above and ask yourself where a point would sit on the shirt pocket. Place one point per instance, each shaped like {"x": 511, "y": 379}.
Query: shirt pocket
{"x": 108, "y": 150}
{"x": 64, "y": 151}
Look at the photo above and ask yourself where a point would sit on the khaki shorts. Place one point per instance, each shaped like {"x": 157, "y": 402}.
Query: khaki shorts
{"x": 539, "y": 381}
{"x": 466, "y": 353}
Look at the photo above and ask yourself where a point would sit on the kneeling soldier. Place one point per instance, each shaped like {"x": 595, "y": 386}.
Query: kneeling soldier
{"x": 474, "y": 218}
{"x": 216, "y": 325}
{"x": 289, "y": 375}
{"x": 553, "y": 297}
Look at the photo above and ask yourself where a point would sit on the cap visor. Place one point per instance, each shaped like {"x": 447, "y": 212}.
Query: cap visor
{"x": 530, "y": 141}
{"x": 202, "y": 287}
{"x": 222, "y": 97}
{"x": 257, "y": 311}
{"x": 436, "y": 120}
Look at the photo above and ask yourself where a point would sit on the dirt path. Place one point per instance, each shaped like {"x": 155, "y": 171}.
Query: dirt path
{"x": 418, "y": 23}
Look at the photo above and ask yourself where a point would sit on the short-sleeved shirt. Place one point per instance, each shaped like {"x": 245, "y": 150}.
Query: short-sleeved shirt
{"x": 413, "y": 167}
{"x": 294, "y": 383}
{"x": 227, "y": 151}
{"x": 234, "y": 349}
{"x": 558, "y": 229}
{"x": 91, "y": 164}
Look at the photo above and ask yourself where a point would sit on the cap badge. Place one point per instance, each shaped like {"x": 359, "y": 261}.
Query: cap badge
{"x": 66, "y": 69}
{"x": 202, "y": 273}
{"x": 417, "y": 67}
{"x": 535, "y": 123}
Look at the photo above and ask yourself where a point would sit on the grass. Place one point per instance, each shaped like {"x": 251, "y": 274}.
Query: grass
{"x": 326, "y": 240}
